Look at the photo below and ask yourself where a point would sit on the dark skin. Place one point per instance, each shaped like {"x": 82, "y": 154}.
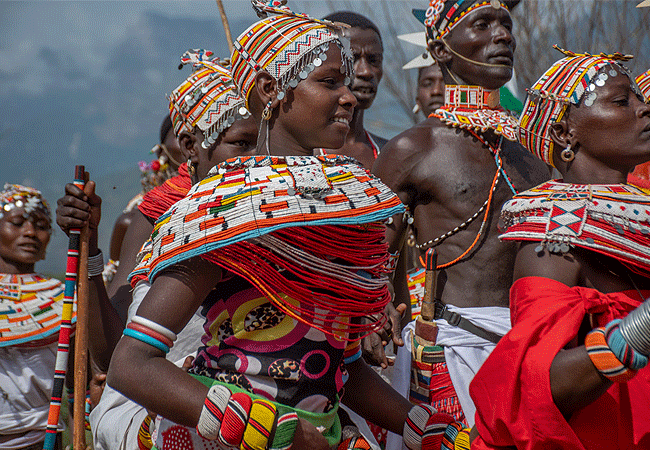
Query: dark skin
{"x": 77, "y": 207}
{"x": 609, "y": 138}
{"x": 444, "y": 174}
{"x": 178, "y": 291}
{"x": 368, "y": 52}
{"x": 431, "y": 89}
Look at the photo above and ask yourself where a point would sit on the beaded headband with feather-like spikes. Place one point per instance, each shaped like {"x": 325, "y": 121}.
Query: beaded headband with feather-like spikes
{"x": 565, "y": 83}
{"x": 207, "y": 99}
{"x": 289, "y": 46}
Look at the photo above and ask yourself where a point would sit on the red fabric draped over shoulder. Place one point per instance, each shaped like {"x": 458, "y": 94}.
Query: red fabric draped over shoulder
{"x": 512, "y": 390}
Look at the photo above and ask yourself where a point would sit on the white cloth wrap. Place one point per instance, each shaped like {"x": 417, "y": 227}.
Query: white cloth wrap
{"x": 464, "y": 355}
{"x": 115, "y": 421}
{"x": 26, "y": 380}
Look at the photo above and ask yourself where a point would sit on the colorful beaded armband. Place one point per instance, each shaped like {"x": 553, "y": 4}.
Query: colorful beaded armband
{"x": 213, "y": 411}
{"x": 260, "y": 425}
{"x": 604, "y": 358}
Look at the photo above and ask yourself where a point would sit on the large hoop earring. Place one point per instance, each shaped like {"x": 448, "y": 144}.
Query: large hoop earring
{"x": 191, "y": 170}
{"x": 567, "y": 155}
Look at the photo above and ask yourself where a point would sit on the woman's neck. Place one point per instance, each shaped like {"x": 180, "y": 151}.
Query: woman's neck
{"x": 15, "y": 268}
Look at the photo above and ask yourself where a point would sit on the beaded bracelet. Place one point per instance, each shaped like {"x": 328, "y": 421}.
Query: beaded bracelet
{"x": 213, "y": 411}
{"x": 156, "y": 327}
{"x": 284, "y": 431}
{"x": 140, "y": 336}
{"x": 144, "y": 434}
{"x": 151, "y": 333}
{"x": 624, "y": 352}
{"x": 96, "y": 265}
{"x": 260, "y": 425}
{"x": 604, "y": 359}
{"x": 234, "y": 420}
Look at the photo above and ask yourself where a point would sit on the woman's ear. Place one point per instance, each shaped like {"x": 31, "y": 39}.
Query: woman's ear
{"x": 266, "y": 88}
{"x": 560, "y": 133}
{"x": 187, "y": 142}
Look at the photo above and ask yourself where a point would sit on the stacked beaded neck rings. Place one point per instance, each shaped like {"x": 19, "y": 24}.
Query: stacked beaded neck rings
{"x": 207, "y": 99}
{"x": 569, "y": 81}
{"x": 289, "y": 46}
{"x": 17, "y": 196}
{"x": 643, "y": 81}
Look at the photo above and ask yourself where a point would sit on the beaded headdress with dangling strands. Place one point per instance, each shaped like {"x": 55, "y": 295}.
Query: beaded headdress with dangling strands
{"x": 643, "y": 81}
{"x": 207, "y": 99}
{"x": 568, "y": 81}
{"x": 289, "y": 46}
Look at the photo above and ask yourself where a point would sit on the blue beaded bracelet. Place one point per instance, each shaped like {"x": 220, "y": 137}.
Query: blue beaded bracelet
{"x": 146, "y": 339}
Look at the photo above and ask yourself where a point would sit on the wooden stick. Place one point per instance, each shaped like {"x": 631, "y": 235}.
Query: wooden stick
{"x": 81, "y": 346}
{"x": 226, "y": 27}
{"x": 424, "y": 326}
{"x": 65, "y": 330}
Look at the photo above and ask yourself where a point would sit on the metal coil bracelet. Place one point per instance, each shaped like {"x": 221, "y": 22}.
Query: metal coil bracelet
{"x": 635, "y": 328}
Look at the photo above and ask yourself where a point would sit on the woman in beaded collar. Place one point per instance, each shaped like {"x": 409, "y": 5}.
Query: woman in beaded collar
{"x": 583, "y": 263}
{"x": 30, "y": 318}
{"x": 285, "y": 345}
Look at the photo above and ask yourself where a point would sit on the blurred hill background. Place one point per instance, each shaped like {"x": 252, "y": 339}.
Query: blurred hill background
{"x": 84, "y": 82}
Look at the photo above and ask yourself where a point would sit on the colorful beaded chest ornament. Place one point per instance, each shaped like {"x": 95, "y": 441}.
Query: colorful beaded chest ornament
{"x": 207, "y": 99}
{"x": 272, "y": 220}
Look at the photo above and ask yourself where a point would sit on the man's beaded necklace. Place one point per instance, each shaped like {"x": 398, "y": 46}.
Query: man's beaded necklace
{"x": 476, "y": 110}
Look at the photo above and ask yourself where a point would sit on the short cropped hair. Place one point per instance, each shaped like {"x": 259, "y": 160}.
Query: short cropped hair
{"x": 355, "y": 20}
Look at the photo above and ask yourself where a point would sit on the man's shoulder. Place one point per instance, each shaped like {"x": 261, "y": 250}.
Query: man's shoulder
{"x": 420, "y": 137}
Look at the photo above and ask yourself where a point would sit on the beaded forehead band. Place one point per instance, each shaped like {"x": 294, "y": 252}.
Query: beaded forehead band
{"x": 443, "y": 15}
{"x": 17, "y": 196}
{"x": 565, "y": 83}
{"x": 288, "y": 46}
{"x": 643, "y": 81}
{"x": 207, "y": 99}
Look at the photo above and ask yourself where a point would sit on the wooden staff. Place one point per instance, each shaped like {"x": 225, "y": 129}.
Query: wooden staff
{"x": 66, "y": 326}
{"x": 424, "y": 326}
{"x": 226, "y": 27}
{"x": 81, "y": 345}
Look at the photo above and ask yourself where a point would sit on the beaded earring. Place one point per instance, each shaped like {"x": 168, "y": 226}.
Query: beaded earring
{"x": 567, "y": 154}
{"x": 266, "y": 113}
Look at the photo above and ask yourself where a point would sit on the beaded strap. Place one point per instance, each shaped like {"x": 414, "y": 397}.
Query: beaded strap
{"x": 213, "y": 412}
{"x": 234, "y": 420}
{"x": 284, "y": 431}
{"x": 604, "y": 359}
{"x": 260, "y": 425}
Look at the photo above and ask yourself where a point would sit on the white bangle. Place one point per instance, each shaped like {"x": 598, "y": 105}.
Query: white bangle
{"x": 155, "y": 327}
{"x": 95, "y": 265}
{"x": 213, "y": 411}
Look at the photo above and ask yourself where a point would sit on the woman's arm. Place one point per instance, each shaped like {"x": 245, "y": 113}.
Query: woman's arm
{"x": 140, "y": 371}
{"x": 575, "y": 381}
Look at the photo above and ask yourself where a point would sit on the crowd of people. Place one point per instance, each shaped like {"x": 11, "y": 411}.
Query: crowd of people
{"x": 252, "y": 292}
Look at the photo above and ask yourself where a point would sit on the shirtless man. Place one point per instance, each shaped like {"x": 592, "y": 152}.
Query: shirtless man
{"x": 368, "y": 52}
{"x": 445, "y": 172}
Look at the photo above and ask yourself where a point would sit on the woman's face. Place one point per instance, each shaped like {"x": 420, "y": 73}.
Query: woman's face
{"x": 615, "y": 129}
{"x": 23, "y": 237}
{"x": 240, "y": 139}
{"x": 317, "y": 112}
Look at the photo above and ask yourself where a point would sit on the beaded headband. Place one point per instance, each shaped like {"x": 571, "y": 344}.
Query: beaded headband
{"x": 443, "y": 15}
{"x": 207, "y": 99}
{"x": 643, "y": 81}
{"x": 17, "y": 196}
{"x": 288, "y": 46}
{"x": 564, "y": 83}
